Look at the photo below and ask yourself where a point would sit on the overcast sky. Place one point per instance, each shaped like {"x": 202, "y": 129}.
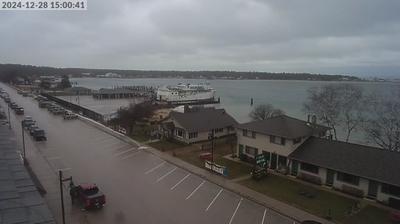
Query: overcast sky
{"x": 360, "y": 37}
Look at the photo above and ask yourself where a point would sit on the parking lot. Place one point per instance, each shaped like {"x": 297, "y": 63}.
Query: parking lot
{"x": 139, "y": 186}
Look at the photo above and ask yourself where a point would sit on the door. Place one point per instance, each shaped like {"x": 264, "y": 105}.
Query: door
{"x": 273, "y": 161}
{"x": 372, "y": 189}
{"x": 295, "y": 167}
{"x": 330, "y": 176}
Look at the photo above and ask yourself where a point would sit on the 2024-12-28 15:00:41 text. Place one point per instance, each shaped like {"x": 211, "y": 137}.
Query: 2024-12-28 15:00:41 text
{"x": 26, "y": 5}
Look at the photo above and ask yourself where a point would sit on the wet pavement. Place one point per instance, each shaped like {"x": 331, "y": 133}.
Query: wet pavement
{"x": 139, "y": 186}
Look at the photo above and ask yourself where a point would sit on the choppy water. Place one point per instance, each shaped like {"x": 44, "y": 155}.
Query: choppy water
{"x": 235, "y": 95}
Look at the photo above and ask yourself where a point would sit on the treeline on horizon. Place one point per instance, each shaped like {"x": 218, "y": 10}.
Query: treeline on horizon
{"x": 9, "y": 72}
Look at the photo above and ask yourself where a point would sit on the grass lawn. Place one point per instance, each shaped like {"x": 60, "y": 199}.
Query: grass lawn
{"x": 287, "y": 190}
{"x": 166, "y": 145}
{"x": 370, "y": 215}
{"x": 140, "y": 137}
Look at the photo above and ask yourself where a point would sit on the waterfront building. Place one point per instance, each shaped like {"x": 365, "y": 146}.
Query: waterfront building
{"x": 196, "y": 124}
{"x": 302, "y": 149}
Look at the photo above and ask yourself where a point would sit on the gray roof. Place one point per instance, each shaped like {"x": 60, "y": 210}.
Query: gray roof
{"x": 20, "y": 202}
{"x": 284, "y": 126}
{"x": 360, "y": 160}
{"x": 203, "y": 119}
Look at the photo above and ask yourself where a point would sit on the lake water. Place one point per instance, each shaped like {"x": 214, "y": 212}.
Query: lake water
{"x": 287, "y": 95}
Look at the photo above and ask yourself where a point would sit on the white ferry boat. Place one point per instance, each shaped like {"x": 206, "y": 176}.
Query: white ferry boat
{"x": 185, "y": 93}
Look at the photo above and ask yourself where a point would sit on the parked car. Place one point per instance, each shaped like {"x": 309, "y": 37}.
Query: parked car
{"x": 58, "y": 111}
{"x": 28, "y": 121}
{"x": 44, "y": 103}
{"x": 19, "y": 111}
{"x": 39, "y": 135}
{"x": 32, "y": 129}
{"x": 13, "y": 105}
{"x": 68, "y": 115}
{"x": 90, "y": 196}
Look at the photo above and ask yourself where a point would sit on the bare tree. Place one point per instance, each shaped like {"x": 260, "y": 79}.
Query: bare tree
{"x": 382, "y": 126}
{"x": 128, "y": 117}
{"x": 336, "y": 105}
{"x": 265, "y": 111}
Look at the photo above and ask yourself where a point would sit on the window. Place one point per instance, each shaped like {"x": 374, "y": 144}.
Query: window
{"x": 277, "y": 140}
{"x": 193, "y": 135}
{"x": 347, "y": 178}
{"x": 309, "y": 168}
{"x": 179, "y": 133}
{"x": 251, "y": 150}
{"x": 296, "y": 140}
{"x": 244, "y": 132}
{"x": 390, "y": 189}
{"x": 217, "y": 130}
{"x": 253, "y": 134}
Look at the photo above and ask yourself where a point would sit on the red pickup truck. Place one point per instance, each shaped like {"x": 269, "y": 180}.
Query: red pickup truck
{"x": 90, "y": 196}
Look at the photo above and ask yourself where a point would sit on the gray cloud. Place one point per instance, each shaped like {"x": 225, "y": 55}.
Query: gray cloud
{"x": 335, "y": 36}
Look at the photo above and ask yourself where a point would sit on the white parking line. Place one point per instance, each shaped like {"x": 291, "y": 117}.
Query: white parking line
{"x": 194, "y": 191}
{"x": 123, "y": 152}
{"x": 234, "y": 213}
{"x": 154, "y": 168}
{"x": 263, "y": 219}
{"x": 130, "y": 155}
{"x": 165, "y": 175}
{"x": 180, "y": 181}
{"x": 215, "y": 198}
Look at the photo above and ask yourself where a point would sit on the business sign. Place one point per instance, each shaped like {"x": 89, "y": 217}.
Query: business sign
{"x": 261, "y": 160}
{"x": 216, "y": 168}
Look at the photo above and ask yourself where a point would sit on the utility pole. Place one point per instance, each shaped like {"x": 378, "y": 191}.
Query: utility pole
{"x": 60, "y": 175}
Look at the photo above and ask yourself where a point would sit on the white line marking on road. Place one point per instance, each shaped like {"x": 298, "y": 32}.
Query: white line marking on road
{"x": 154, "y": 168}
{"x": 194, "y": 191}
{"x": 143, "y": 147}
{"x": 234, "y": 213}
{"x": 130, "y": 155}
{"x": 215, "y": 198}
{"x": 263, "y": 219}
{"x": 65, "y": 169}
{"x": 123, "y": 152}
{"x": 180, "y": 182}
{"x": 165, "y": 175}
{"x": 53, "y": 158}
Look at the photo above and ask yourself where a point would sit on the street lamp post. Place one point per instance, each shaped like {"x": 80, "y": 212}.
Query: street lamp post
{"x": 211, "y": 137}
{"x": 9, "y": 118}
{"x": 60, "y": 175}
{"x": 23, "y": 140}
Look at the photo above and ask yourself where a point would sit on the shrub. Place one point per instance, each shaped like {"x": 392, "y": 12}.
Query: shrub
{"x": 310, "y": 178}
{"x": 353, "y": 191}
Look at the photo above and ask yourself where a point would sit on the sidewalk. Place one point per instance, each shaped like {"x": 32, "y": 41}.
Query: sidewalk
{"x": 245, "y": 192}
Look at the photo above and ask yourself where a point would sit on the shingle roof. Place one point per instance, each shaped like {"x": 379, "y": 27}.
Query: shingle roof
{"x": 360, "y": 160}
{"x": 20, "y": 202}
{"x": 284, "y": 126}
{"x": 203, "y": 119}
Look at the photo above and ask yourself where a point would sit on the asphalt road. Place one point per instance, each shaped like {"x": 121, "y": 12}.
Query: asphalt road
{"x": 139, "y": 186}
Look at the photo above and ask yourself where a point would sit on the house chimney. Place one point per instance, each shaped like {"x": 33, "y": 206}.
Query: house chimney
{"x": 308, "y": 118}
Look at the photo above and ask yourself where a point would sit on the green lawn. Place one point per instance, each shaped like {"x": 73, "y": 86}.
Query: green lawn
{"x": 288, "y": 191}
{"x": 235, "y": 169}
{"x": 166, "y": 145}
{"x": 370, "y": 215}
